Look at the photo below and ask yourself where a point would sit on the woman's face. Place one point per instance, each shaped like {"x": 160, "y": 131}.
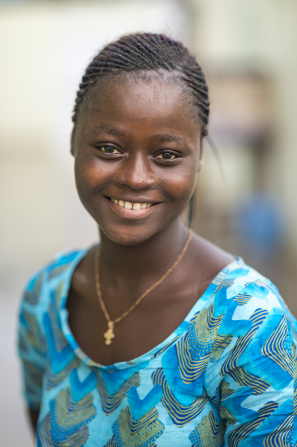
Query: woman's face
{"x": 137, "y": 152}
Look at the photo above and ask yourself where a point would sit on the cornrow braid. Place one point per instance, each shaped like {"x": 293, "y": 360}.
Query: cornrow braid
{"x": 148, "y": 52}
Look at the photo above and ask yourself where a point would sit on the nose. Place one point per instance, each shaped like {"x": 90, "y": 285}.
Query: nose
{"x": 136, "y": 172}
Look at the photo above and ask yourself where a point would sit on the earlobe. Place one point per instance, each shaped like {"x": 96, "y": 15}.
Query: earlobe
{"x": 72, "y": 140}
{"x": 200, "y": 165}
{"x": 200, "y": 161}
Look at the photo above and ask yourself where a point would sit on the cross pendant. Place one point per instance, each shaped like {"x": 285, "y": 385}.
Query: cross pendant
{"x": 109, "y": 335}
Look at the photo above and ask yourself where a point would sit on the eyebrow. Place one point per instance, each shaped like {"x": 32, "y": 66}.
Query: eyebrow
{"x": 158, "y": 138}
{"x": 106, "y": 129}
{"x": 168, "y": 137}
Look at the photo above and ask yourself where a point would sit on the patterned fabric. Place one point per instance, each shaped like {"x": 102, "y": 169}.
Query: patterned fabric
{"x": 227, "y": 376}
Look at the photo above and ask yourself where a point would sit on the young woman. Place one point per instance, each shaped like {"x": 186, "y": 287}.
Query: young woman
{"x": 155, "y": 337}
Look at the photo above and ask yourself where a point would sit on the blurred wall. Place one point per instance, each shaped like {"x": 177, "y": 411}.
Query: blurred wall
{"x": 259, "y": 34}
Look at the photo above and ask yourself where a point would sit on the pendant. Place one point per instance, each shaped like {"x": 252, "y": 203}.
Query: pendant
{"x": 109, "y": 335}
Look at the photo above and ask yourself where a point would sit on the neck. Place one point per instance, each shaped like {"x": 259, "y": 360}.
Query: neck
{"x": 149, "y": 257}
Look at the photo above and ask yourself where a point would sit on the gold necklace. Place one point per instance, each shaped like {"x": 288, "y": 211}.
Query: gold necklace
{"x": 109, "y": 335}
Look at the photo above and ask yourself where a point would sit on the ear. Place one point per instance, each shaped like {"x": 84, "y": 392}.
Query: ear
{"x": 200, "y": 165}
{"x": 72, "y": 142}
{"x": 200, "y": 160}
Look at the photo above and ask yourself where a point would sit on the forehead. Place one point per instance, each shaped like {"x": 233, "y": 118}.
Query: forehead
{"x": 154, "y": 99}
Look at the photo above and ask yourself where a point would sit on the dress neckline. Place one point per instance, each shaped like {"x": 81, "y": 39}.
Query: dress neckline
{"x": 161, "y": 347}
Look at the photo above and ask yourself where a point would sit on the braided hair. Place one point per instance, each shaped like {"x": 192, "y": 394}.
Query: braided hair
{"x": 146, "y": 52}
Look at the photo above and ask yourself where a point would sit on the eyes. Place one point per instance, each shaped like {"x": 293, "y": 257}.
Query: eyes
{"x": 109, "y": 150}
{"x": 165, "y": 155}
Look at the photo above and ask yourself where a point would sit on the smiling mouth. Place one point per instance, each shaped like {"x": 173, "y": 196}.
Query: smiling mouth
{"x": 131, "y": 205}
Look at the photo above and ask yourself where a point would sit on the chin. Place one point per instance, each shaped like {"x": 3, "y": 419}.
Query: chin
{"x": 127, "y": 238}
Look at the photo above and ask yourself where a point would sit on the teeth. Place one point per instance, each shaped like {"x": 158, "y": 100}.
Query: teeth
{"x": 130, "y": 205}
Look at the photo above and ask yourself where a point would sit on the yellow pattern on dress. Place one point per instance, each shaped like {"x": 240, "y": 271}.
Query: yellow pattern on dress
{"x": 275, "y": 348}
{"x": 111, "y": 402}
{"x": 202, "y": 334}
{"x": 137, "y": 433}
{"x": 208, "y": 433}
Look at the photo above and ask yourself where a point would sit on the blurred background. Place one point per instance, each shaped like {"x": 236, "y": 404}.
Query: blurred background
{"x": 245, "y": 198}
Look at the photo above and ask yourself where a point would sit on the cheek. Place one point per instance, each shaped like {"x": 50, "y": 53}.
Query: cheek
{"x": 82, "y": 177}
{"x": 181, "y": 187}
{"x": 88, "y": 173}
{"x": 87, "y": 181}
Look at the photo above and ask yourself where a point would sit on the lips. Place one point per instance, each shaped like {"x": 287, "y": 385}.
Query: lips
{"x": 132, "y": 205}
{"x": 133, "y": 211}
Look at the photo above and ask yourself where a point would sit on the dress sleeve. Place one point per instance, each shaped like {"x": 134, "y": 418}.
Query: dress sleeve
{"x": 255, "y": 390}
{"x": 31, "y": 342}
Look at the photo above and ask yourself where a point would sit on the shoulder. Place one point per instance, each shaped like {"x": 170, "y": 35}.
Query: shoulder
{"x": 59, "y": 269}
{"x": 252, "y": 365}
{"x": 243, "y": 284}
{"x": 247, "y": 300}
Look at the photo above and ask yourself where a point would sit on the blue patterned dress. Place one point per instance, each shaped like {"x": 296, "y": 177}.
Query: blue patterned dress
{"x": 226, "y": 376}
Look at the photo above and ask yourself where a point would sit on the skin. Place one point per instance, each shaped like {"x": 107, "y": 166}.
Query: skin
{"x": 138, "y": 127}
{"x": 138, "y": 142}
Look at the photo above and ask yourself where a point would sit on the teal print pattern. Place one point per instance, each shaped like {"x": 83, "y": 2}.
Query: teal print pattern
{"x": 226, "y": 377}
{"x": 33, "y": 291}
{"x": 208, "y": 433}
{"x": 66, "y": 425}
{"x": 180, "y": 413}
{"x": 138, "y": 424}
{"x": 110, "y": 402}
{"x": 137, "y": 433}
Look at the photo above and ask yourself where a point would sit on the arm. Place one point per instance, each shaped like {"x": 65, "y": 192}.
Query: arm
{"x": 258, "y": 403}
{"x": 31, "y": 347}
{"x": 33, "y": 417}
{"x": 253, "y": 379}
